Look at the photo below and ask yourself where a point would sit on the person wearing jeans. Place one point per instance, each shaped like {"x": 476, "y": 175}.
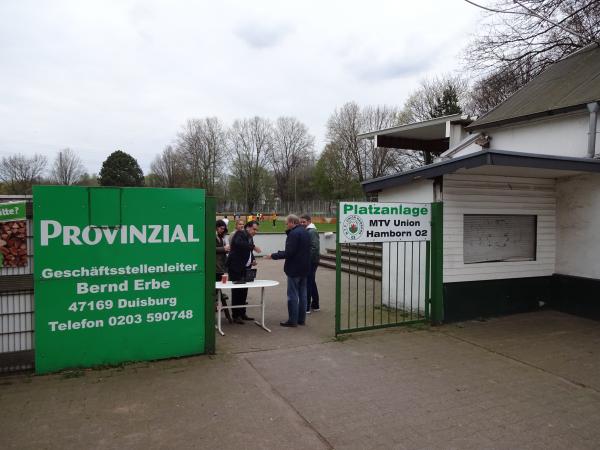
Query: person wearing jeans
{"x": 296, "y": 267}
{"x": 296, "y": 300}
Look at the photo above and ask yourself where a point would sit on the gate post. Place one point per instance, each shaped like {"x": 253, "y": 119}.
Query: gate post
{"x": 338, "y": 273}
{"x": 437, "y": 266}
{"x": 209, "y": 273}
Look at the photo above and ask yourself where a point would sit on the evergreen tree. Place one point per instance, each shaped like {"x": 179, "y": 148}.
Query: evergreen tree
{"x": 121, "y": 169}
{"x": 447, "y": 103}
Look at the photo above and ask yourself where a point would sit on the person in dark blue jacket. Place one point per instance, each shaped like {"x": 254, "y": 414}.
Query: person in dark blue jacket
{"x": 296, "y": 267}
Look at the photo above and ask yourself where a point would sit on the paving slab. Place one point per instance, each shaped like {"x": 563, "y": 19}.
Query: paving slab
{"x": 422, "y": 390}
{"x": 562, "y": 344}
{"x": 320, "y": 326}
{"x": 526, "y": 381}
{"x": 197, "y": 402}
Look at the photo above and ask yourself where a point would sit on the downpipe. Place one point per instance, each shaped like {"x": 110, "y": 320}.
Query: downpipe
{"x": 593, "y": 109}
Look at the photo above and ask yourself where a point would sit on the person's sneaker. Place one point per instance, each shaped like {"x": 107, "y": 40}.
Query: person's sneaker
{"x": 247, "y": 318}
{"x": 288, "y": 324}
{"x": 303, "y": 323}
{"x": 316, "y": 309}
{"x": 308, "y": 311}
{"x": 238, "y": 320}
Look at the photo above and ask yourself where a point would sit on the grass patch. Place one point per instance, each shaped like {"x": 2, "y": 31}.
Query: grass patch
{"x": 422, "y": 326}
{"x": 117, "y": 366}
{"x": 77, "y": 373}
{"x": 396, "y": 312}
{"x": 280, "y": 227}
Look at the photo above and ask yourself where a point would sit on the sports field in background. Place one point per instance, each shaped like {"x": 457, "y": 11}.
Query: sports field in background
{"x": 267, "y": 227}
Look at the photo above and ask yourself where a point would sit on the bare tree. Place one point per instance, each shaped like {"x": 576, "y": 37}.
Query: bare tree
{"x": 167, "y": 168}
{"x": 215, "y": 139}
{"x": 201, "y": 145}
{"x": 67, "y": 168}
{"x": 411, "y": 159}
{"x": 493, "y": 89}
{"x": 520, "y": 38}
{"x": 251, "y": 143}
{"x": 292, "y": 145}
{"x": 343, "y": 128}
{"x": 335, "y": 178}
{"x": 435, "y": 97}
{"x": 88, "y": 180}
{"x": 378, "y": 160}
{"x": 19, "y": 173}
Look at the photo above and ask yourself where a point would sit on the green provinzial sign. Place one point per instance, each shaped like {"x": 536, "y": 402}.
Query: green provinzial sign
{"x": 119, "y": 275}
{"x": 384, "y": 222}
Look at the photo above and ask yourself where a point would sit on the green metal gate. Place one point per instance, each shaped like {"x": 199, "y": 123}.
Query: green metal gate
{"x": 388, "y": 284}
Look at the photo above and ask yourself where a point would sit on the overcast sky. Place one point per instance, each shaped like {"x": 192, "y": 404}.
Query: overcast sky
{"x": 97, "y": 76}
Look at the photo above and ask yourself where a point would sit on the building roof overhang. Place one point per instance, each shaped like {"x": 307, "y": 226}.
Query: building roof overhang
{"x": 552, "y": 165}
{"x": 429, "y": 135}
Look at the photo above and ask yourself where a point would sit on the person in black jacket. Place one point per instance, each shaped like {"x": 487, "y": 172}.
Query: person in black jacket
{"x": 296, "y": 267}
{"x": 222, "y": 248}
{"x": 312, "y": 291}
{"x": 239, "y": 260}
{"x": 221, "y": 258}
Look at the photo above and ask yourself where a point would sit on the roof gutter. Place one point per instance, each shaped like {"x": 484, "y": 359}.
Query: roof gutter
{"x": 593, "y": 109}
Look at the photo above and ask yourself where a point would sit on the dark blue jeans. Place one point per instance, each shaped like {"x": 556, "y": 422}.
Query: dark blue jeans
{"x": 296, "y": 293}
{"x": 312, "y": 292}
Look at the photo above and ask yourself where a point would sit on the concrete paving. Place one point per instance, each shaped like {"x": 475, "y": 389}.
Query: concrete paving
{"x": 524, "y": 381}
{"x": 249, "y": 338}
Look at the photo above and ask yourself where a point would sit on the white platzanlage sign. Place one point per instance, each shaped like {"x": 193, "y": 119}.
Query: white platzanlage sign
{"x": 384, "y": 222}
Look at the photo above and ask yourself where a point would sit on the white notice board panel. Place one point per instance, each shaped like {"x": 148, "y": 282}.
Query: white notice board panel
{"x": 499, "y": 237}
{"x": 384, "y": 222}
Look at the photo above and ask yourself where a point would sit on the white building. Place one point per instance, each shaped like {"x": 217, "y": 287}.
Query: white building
{"x": 520, "y": 189}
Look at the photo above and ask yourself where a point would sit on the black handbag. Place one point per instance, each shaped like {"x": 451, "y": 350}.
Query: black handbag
{"x": 250, "y": 275}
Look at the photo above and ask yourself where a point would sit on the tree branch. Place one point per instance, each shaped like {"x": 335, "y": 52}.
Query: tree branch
{"x": 547, "y": 19}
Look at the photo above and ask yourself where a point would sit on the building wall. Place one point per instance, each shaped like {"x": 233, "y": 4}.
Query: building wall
{"x": 456, "y": 133}
{"x": 416, "y": 192}
{"x": 578, "y": 226}
{"x": 562, "y": 135}
{"x": 403, "y": 264}
{"x": 480, "y": 194}
{"x": 472, "y": 148}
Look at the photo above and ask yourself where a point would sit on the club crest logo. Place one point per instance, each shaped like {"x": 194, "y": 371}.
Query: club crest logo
{"x": 353, "y": 227}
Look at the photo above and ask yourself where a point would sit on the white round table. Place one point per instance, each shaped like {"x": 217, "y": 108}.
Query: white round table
{"x": 262, "y": 284}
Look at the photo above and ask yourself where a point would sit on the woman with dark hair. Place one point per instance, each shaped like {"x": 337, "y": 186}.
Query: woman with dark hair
{"x": 220, "y": 260}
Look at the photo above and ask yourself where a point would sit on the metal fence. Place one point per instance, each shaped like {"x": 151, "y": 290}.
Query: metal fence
{"x": 313, "y": 207}
{"x": 382, "y": 285}
{"x": 17, "y": 305}
{"x": 389, "y": 284}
